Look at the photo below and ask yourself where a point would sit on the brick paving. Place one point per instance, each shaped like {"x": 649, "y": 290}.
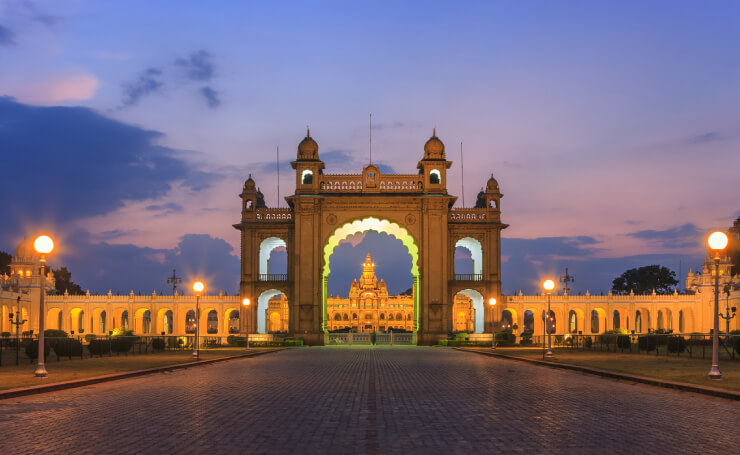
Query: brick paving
{"x": 364, "y": 400}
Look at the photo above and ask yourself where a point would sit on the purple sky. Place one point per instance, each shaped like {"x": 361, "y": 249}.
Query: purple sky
{"x": 128, "y": 128}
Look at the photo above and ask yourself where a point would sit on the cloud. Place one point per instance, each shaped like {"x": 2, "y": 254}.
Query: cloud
{"x": 685, "y": 236}
{"x": 115, "y": 234}
{"x": 149, "y": 82}
{"x": 6, "y": 36}
{"x": 211, "y": 96}
{"x": 48, "y": 19}
{"x": 354, "y": 239}
{"x": 73, "y": 163}
{"x": 126, "y": 267}
{"x": 197, "y": 67}
{"x": 711, "y": 136}
{"x": 165, "y": 209}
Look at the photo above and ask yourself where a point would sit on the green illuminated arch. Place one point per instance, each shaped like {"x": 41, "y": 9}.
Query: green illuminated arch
{"x": 371, "y": 224}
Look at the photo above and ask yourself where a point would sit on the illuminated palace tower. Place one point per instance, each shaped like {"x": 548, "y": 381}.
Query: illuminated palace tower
{"x": 415, "y": 208}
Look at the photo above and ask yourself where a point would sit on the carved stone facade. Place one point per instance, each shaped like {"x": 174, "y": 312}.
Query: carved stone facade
{"x": 325, "y": 208}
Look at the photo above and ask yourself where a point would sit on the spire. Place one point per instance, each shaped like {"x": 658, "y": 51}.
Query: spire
{"x": 308, "y": 131}
{"x": 434, "y": 132}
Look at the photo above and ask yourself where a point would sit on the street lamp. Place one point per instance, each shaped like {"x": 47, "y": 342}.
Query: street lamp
{"x": 43, "y": 245}
{"x": 549, "y": 285}
{"x": 492, "y": 303}
{"x": 198, "y": 287}
{"x": 246, "y": 303}
{"x": 727, "y": 316}
{"x": 718, "y": 242}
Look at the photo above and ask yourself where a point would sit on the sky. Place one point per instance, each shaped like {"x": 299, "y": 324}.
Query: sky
{"x": 127, "y": 129}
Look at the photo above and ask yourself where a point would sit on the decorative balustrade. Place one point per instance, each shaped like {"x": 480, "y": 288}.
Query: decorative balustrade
{"x": 352, "y": 183}
{"x": 341, "y": 183}
{"x": 469, "y": 215}
{"x": 273, "y": 277}
{"x": 400, "y": 183}
{"x": 274, "y": 214}
{"x": 468, "y": 277}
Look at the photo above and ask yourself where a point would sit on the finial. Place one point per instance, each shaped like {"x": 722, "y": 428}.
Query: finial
{"x": 308, "y": 131}
{"x": 434, "y": 132}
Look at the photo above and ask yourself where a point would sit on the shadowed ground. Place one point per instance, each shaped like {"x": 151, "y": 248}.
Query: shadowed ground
{"x": 369, "y": 400}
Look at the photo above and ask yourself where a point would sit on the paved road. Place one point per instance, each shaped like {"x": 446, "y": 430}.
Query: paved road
{"x": 362, "y": 400}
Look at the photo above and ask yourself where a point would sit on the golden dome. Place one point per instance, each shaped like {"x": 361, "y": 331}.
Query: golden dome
{"x": 24, "y": 250}
{"x": 434, "y": 149}
{"x": 308, "y": 149}
{"x": 492, "y": 186}
{"x": 249, "y": 184}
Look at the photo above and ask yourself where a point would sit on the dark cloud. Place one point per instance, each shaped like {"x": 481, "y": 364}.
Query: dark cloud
{"x": 6, "y": 36}
{"x": 197, "y": 67}
{"x": 165, "y": 209}
{"x": 684, "y": 236}
{"x": 72, "y": 162}
{"x": 149, "y": 82}
{"x": 115, "y": 234}
{"x": 211, "y": 96}
{"x": 122, "y": 268}
{"x": 711, "y": 136}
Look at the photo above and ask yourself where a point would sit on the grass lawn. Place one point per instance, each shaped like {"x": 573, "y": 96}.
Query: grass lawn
{"x": 679, "y": 369}
{"x": 12, "y": 376}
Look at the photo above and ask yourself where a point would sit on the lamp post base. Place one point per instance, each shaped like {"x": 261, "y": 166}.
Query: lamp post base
{"x": 714, "y": 373}
{"x": 195, "y": 355}
{"x": 41, "y": 372}
{"x": 549, "y": 353}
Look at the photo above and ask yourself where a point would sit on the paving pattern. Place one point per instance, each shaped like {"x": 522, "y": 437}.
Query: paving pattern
{"x": 369, "y": 400}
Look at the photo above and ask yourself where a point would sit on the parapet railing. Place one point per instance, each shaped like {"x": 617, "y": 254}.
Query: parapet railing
{"x": 468, "y": 277}
{"x": 273, "y": 277}
{"x": 353, "y": 183}
{"x": 274, "y": 214}
{"x": 468, "y": 215}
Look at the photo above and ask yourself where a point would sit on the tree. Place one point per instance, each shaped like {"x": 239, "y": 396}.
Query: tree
{"x": 644, "y": 279}
{"x": 5, "y": 263}
{"x": 63, "y": 278}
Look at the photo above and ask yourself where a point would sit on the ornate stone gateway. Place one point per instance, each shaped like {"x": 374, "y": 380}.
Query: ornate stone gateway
{"x": 415, "y": 208}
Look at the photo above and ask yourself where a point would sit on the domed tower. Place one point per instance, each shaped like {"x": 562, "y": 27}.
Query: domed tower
{"x": 308, "y": 166}
{"x": 490, "y": 198}
{"x": 249, "y": 197}
{"x": 434, "y": 165}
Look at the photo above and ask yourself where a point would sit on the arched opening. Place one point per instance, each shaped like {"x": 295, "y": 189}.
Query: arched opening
{"x": 272, "y": 302}
{"x": 594, "y": 321}
{"x": 212, "y": 322}
{"x": 572, "y": 321}
{"x": 435, "y": 177}
{"x": 142, "y": 321}
{"x": 507, "y": 320}
{"x": 551, "y": 322}
{"x": 146, "y": 326}
{"x": 77, "y": 320}
{"x": 410, "y": 306}
{"x": 124, "y": 320}
{"x": 54, "y": 319}
{"x": 273, "y": 259}
{"x": 615, "y": 320}
{"x": 232, "y": 319}
{"x": 307, "y": 177}
{"x": 660, "y": 323}
{"x": 190, "y": 321}
{"x": 529, "y": 321}
{"x": 468, "y": 259}
{"x": 598, "y": 320}
{"x": 638, "y": 321}
{"x": 472, "y": 303}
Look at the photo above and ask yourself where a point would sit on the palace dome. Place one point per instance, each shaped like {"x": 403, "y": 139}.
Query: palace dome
{"x": 24, "y": 250}
{"x": 434, "y": 149}
{"x": 308, "y": 149}
{"x": 249, "y": 184}
{"x": 492, "y": 186}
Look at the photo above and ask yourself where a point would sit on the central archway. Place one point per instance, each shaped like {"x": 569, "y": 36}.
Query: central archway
{"x": 370, "y": 224}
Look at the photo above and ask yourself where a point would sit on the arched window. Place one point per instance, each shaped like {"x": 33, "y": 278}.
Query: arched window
{"x": 435, "y": 178}
{"x": 528, "y": 321}
{"x": 382, "y": 316}
{"x": 638, "y": 321}
{"x": 101, "y": 323}
{"x": 337, "y": 317}
{"x": 306, "y": 177}
{"x": 551, "y": 322}
{"x": 390, "y": 317}
{"x": 234, "y": 322}
{"x": 212, "y": 322}
{"x": 615, "y": 320}
{"x": 190, "y": 322}
{"x": 345, "y": 317}
{"x": 354, "y": 316}
{"x": 572, "y": 322}
{"x": 146, "y": 322}
{"x": 594, "y": 321}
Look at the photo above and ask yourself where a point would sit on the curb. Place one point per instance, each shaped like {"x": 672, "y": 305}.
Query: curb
{"x": 34, "y": 390}
{"x": 683, "y": 386}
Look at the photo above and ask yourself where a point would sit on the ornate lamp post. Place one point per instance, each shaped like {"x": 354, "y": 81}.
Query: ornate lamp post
{"x": 492, "y": 304}
{"x": 718, "y": 242}
{"x": 549, "y": 285}
{"x": 43, "y": 245}
{"x": 246, "y": 303}
{"x": 198, "y": 287}
{"x": 18, "y": 322}
{"x": 727, "y": 316}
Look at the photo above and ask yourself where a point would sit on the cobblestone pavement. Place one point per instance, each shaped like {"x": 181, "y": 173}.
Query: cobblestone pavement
{"x": 363, "y": 400}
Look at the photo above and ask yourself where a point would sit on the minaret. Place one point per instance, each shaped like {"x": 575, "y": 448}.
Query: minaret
{"x": 368, "y": 280}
